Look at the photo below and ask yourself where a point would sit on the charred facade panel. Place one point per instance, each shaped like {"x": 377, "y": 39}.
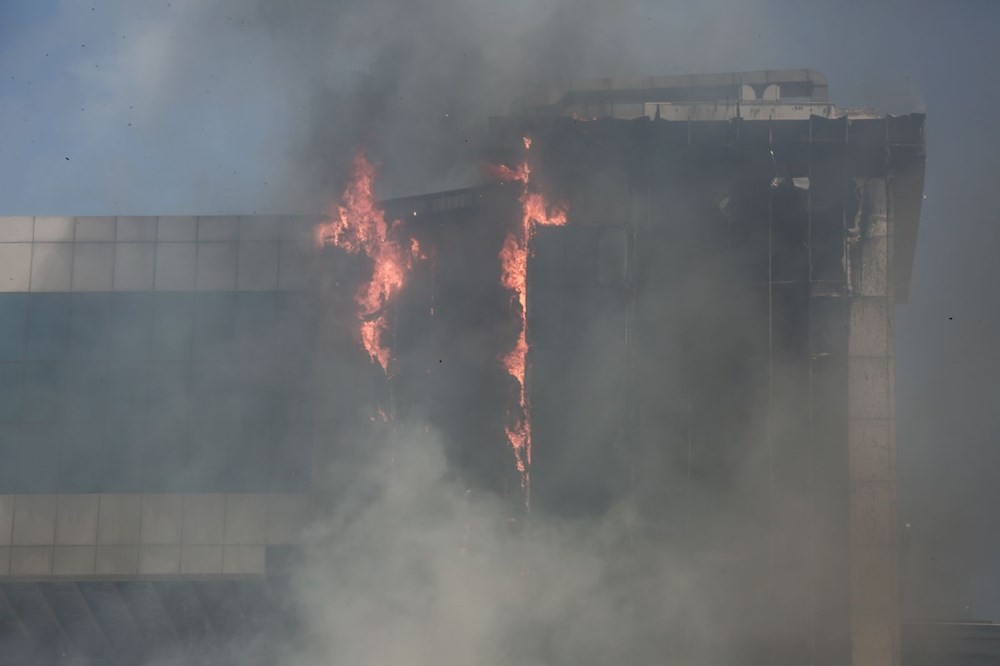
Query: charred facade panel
{"x": 757, "y": 353}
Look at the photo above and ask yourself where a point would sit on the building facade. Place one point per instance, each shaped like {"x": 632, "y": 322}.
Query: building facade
{"x": 711, "y": 345}
{"x": 741, "y": 243}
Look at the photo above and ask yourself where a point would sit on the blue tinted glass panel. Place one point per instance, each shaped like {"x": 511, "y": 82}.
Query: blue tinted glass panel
{"x": 129, "y": 391}
{"x": 82, "y": 463}
{"x": 103, "y": 392}
{"x": 131, "y": 326}
{"x": 210, "y": 459}
{"x": 256, "y": 318}
{"x": 41, "y": 448}
{"x": 247, "y": 462}
{"x": 215, "y": 325}
{"x": 169, "y": 391}
{"x": 13, "y": 324}
{"x": 89, "y": 326}
{"x": 122, "y": 461}
{"x": 48, "y": 326}
{"x": 294, "y": 382}
{"x": 10, "y": 391}
{"x": 213, "y": 392}
{"x": 86, "y": 391}
{"x": 297, "y": 321}
{"x": 173, "y": 326}
{"x": 10, "y": 456}
{"x": 290, "y": 457}
{"x": 44, "y": 391}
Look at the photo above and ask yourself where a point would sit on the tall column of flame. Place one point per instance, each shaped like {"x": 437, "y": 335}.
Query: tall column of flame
{"x": 517, "y": 248}
{"x": 358, "y": 226}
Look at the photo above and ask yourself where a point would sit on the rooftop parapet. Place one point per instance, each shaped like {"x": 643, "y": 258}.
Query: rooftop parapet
{"x": 803, "y": 86}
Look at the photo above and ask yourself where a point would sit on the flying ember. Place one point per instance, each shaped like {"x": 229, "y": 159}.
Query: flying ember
{"x": 517, "y": 247}
{"x": 358, "y": 226}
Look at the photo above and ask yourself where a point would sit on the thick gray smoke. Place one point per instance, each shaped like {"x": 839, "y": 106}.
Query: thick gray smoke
{"x": 412, "y": 81}
{"x": 247, "y": 107}
{"x": 412, "y": 567}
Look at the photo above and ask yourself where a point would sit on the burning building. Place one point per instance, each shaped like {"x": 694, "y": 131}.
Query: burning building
{"x": 670, "y": 294}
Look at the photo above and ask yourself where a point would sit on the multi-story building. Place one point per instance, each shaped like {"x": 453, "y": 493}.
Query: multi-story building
{"x": 711, "y": 345}
{"x": 743, "y": 391}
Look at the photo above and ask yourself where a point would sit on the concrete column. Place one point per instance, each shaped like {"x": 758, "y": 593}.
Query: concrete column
{"x": 871, "y": 434}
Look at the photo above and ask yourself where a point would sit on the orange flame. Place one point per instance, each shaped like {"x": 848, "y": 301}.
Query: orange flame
{"x": 505, "y": 174}
{"x": 358, "y": 226}
{"x": 517, "y": 247}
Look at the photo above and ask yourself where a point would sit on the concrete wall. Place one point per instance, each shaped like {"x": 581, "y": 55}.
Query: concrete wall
{"x": 82, "y": 536}
{"x": 871, "y": 438}
{"x": 217, "y": 253}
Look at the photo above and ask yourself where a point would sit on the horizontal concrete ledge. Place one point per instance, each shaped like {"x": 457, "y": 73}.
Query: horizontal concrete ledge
{"x": 148, "y": 578}
{"x": 137, "y": 535}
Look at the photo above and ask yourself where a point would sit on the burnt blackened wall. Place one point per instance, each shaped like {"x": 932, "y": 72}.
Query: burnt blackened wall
{"x": 454, "y": 323}
{"x": 447, "y": 328}
{"x": 695, "y": 357}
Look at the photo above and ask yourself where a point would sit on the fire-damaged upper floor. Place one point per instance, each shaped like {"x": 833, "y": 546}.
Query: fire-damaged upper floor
{"x": 788, "y": 110}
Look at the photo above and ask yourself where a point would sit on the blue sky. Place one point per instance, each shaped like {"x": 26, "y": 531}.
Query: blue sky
{"x": 181, "y": 106}
{"x": 176, "y": 106}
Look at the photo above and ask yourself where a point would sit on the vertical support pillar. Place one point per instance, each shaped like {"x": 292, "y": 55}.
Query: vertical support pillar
{"x": 871, "y": 433}
{"x": 829, "y": 312}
